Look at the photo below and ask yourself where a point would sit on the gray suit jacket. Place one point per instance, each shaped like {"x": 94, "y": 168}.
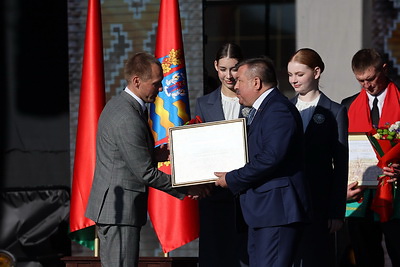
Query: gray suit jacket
{"x": 125, "y": 166}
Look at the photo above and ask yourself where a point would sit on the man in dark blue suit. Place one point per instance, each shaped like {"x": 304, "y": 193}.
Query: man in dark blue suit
{"x": 272, "y": 188}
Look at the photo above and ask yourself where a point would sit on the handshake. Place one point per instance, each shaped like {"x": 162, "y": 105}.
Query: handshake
{"x": 197, "y": 192}
{"x": 204, "y": 190}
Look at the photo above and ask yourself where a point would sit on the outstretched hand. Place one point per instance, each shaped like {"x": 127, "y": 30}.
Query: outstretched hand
{"x": 221, "y": 179}
{"x": 161, "y": 153}
{"x": 355, "y": 192}
{"x": 197, "y": 192}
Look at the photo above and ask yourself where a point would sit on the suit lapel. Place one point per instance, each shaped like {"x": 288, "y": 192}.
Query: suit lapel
{"x": 135, "y": 104}
{"x": 215, "y": 106}
{"x": 138, "y": 108}
{"x": 260, "y": 110}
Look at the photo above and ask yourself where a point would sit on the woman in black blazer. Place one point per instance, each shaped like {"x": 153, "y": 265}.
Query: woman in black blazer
{"x": 326, "y": 158}
{"x": 222, "y": 243}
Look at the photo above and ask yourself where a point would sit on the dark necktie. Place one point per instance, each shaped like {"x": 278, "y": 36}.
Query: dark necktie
{"x": 375, "y": 113}
{"x": 251, "y": 115}
{"x": 146, "y": 114}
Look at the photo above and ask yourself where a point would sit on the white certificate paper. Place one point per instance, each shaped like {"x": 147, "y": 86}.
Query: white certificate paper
{"x": 199, "y": 150}
{"x": 362, "y": 161}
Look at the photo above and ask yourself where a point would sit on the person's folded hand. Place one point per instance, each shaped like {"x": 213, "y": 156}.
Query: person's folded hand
{"x": 334, "y": 225}
{"x": 393, "y": 171}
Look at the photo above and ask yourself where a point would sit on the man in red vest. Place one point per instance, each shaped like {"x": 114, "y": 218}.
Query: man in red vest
{"x": 376, "y": 104}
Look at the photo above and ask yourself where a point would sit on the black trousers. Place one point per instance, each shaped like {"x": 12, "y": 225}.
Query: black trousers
{"x": 366, "y": 240}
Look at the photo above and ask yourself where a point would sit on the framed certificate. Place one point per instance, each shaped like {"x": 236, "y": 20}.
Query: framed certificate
{"x": 362, "y": 161}
{"x": 199, "y": 150}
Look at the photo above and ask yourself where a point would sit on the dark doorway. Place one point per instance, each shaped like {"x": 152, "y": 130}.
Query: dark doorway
{"x": 260, "y": 27}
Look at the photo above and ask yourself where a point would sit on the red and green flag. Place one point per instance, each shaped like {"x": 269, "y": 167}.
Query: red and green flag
{"x": 176, "y": 222}
{"x": 91, "y": 103}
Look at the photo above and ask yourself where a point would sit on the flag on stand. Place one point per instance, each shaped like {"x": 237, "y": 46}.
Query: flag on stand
{"x": 176, "y": 222}
{"x": 91, "y": 103}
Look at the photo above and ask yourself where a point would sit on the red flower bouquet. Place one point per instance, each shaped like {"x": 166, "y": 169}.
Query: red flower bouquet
{"x": 195, "y": 120}
{"x": 385, "y": 143}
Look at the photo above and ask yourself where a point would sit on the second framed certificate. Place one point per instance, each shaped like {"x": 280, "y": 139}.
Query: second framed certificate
{"x": 199, "y": 150}
{"x": 362, "y": 161}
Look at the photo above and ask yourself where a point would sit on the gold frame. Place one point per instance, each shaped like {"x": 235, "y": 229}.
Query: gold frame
{"x": 199, "y": 150}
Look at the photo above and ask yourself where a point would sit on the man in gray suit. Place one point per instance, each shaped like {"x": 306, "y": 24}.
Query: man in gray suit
{"x": 125, "y": 165}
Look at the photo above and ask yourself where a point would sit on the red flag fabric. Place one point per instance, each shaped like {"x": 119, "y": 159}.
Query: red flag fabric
{"x": 176, "y": 222}
{"x": 382, "y": 203}
{"x": 92, "y": 101}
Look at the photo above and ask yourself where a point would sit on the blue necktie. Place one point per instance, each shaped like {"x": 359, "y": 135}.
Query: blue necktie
{"x": 251, "y": 115}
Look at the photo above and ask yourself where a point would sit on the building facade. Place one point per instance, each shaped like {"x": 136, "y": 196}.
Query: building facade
{"x": 336, "y": 29}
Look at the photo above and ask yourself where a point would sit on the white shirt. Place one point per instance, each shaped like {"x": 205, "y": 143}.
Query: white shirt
{"x": 230, "y": 106}
{"x": 306, "y": 110}
{"x": 381, "y": 100}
